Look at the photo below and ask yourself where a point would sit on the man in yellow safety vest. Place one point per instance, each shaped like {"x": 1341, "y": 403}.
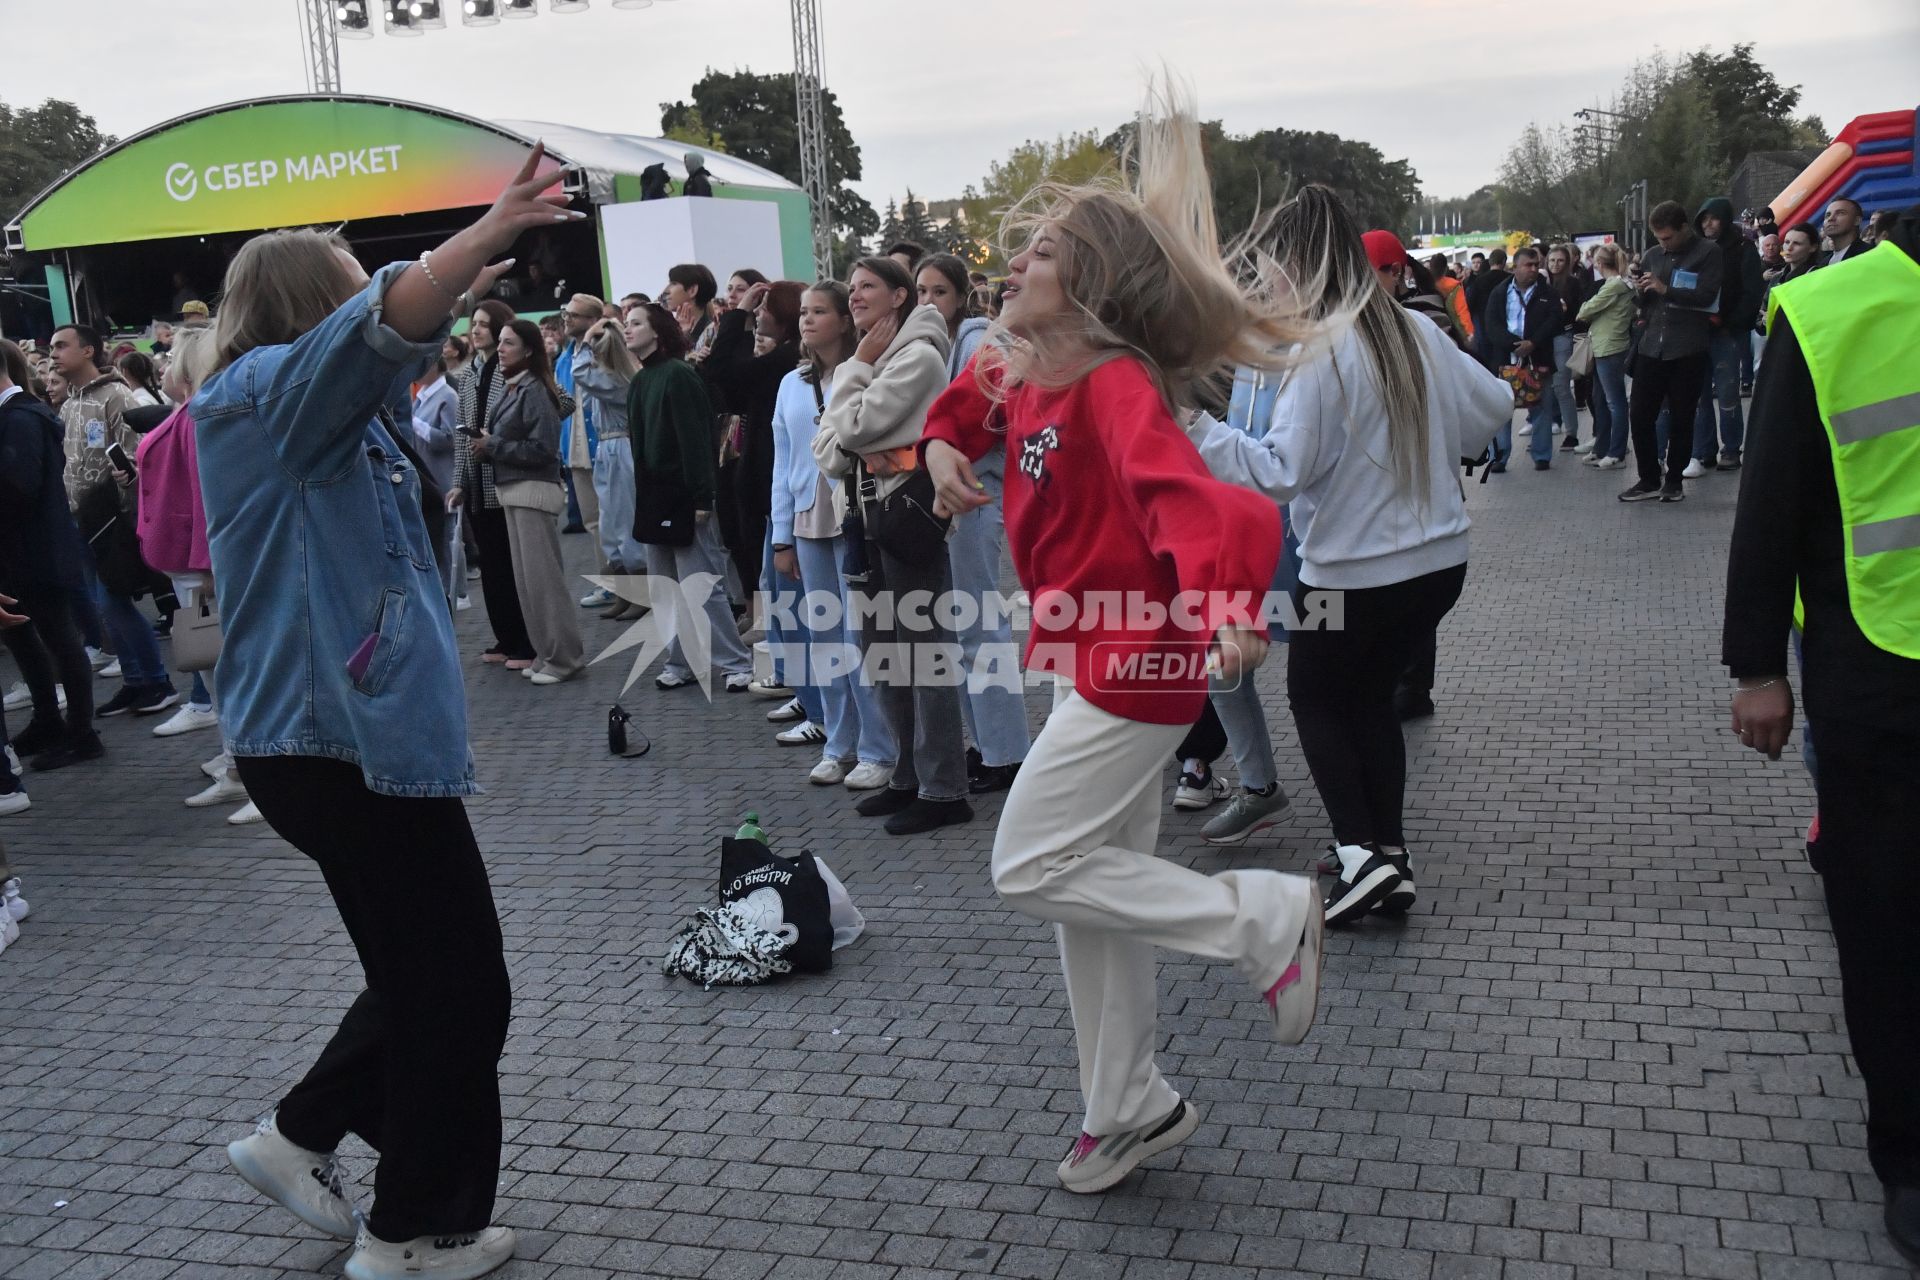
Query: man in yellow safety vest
{"x": 1830, "y": 505}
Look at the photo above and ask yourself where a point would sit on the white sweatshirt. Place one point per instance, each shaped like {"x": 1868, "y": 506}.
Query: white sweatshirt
{"x": 1325, "y": 451}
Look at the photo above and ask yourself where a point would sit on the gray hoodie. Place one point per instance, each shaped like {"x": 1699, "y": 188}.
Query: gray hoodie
{"x": 881, "y": 406}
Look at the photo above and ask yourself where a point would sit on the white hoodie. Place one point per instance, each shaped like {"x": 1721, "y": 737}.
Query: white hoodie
{"x": 1325, "y": 451}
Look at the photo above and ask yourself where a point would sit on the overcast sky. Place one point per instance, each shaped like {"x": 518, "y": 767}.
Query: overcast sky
{"x": 934, "y": 92}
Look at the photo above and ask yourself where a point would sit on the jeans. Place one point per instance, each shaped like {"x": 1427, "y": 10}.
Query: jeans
{"x": 782, "y": 643}
{"x": 1609, "y": 404}
{"x": 1340, "y": 685}
{"x": 133, "y": 639}
{"x": 1723, "y": 371}
{"x": 855, "y": 722}
{"x": 996, "y": 715}
{"x": 924, "y": 715}
{"x": 1241, "y": 715}
{"x": 1865, "y": 857}
{"x": 1541, "y": 419}
{"x": 1672, "y": 387}
{"x": 706, "y": 556}
{"x": 613, "y": 485}
{"x": 1567, "y": 414}
{"x": 414, "y": 1066}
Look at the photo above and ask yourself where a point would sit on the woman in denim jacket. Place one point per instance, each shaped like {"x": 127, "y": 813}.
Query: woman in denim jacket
{"x": 343, "y": 707}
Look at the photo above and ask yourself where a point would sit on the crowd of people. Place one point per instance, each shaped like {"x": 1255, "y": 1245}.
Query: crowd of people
{"x": 312, "y": 482}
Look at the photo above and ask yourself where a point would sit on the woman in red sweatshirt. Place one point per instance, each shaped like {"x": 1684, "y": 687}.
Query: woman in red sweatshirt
{"x": 1143, "y": 571}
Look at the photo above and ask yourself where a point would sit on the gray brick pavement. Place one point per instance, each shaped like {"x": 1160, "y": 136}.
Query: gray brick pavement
{"x": 1608, "y": 1042}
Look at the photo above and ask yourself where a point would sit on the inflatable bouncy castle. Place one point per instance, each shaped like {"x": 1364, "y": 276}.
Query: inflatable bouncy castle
{"x": 1872, "y": 161}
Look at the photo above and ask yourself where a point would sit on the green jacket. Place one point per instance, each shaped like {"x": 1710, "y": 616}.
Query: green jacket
{"x": 671, "y": 420}
{"x": 1609, "y": 317}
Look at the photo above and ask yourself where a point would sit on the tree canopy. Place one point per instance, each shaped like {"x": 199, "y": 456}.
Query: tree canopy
{"x": 38, "y": 144}
{"x": 754, "y": 118}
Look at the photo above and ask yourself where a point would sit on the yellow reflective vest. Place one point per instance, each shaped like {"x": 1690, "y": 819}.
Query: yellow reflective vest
{"x": 1858, "y": 323}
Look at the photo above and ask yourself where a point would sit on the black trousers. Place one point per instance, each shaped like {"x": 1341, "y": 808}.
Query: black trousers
{"x": 414, "y": 1066}
{"x": 1674, "y": 385}
{"x": 1206, "y": 741}
{"x": 496, "y": 581}
{"x": 1868, "y": 857}
{"x": 1340, "y": 685}
{"x": 50, "y": 651}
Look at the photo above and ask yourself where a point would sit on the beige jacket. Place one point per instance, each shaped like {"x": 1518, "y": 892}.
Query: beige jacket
{"x": 95, "y": 417}
{"x": 883, "y": 405}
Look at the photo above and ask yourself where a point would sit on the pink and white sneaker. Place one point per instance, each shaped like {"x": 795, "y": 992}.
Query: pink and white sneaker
{"x": 1293, "y": 1001}
{"x": 1095, "y": 1164}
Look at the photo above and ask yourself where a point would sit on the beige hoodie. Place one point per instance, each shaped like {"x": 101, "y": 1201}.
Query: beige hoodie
{"x": 883, "y": 406}
{"x": 95, "y": 417}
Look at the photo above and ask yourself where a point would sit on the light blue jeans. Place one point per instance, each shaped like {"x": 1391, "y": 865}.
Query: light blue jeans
{"x": 1609, "y": 401}
{"x": 855, "y": 722}
{"x": 1567, "y": 405}
{"x": 782, "y": 643}
{"x": 996, "y": 716}
{"x": 1245, "y": 721}
{"x": 613, "y": 485}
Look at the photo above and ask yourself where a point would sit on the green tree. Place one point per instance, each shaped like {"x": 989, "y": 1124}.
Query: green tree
{"x": 958, "y": 238}
{"x": 38, "y": 144}
{"x": 914, "y": 223}
{"x": 1070, "y": 158}
{"x": 1751, "y": 109}
{"x": 754, "y": 116}
{"x": 689, "y": 127}
{"x": 892, "y": 230}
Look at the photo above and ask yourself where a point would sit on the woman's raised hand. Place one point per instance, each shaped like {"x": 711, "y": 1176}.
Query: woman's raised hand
{"x": 525, "y": 203}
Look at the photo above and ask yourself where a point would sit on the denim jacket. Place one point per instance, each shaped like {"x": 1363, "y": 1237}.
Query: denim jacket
{"x": 338, "y": 642}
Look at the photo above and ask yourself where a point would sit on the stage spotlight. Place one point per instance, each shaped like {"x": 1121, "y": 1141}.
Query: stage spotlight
{"x": 354, "y": 23}
{"x": 480, "y": 13}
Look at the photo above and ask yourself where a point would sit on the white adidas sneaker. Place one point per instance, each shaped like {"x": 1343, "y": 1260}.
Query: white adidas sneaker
{"x": 305, "y": 1183}
{"x": 455, "y": 1257}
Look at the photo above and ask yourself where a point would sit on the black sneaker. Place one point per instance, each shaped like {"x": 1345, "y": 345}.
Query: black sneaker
{"x": 1570, "y": 443}
{"x": 1641, "y": 492}
{"x": 38, "y": 736}
{"x": 1542, "y": 464}
{"x": 928, "y": 815}
{"x": 120, "y": 703}
{"x": 1497, "y": 468}
{"x": 1729, "y": 461}
{"x": 1903, "y": 1221}
{"x": 1401, "y": 900}
{"x": 85, "y": 749}
{"x": 1412, "y": 704}
{"x": 1363, "y": 877}
{"x": 154, "y": 698}
{"x": 1672, "y": 493}
{"x": 989, "y": 778}
{"x": 884, "y": 804}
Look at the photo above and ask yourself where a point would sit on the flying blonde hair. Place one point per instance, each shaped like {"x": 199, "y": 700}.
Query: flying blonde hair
{"x": 1145, "y": 274}
{"x": 278, "y": 286}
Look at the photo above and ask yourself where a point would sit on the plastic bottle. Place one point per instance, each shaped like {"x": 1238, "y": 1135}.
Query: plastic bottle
{"x": 750, "y": 829}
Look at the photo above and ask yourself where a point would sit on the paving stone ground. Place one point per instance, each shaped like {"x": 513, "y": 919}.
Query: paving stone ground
{"x": 1607, "y": 1043}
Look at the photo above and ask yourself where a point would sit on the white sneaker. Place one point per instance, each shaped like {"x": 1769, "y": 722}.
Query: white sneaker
{"x": 98, "y": 658}
{"x": 245, "y": 815}
{"x": 17, "y": 907}
{"x": 1609, "y": 463}
{"x": 222, "y": 789}
{"x": 1592, "y": 459}
{"x": 15, "y": 801}
{"x": 804, "y": 734}
{"x": 1695, "y": 470}
{"x": 768, "y": 687}
{"x": 186, "y": 720}
{"x": 1585, "y": 446}
{"x": 828, "y": 772}
{"x": 868, "y": 776}
{"x": 109, "y": 672}
{"x": 739, "y": 682}
{"x": 1192, "y": 793}
{"x": 598, "y": 598}
{"x": 444, "y": 1257}
{"x": 1293, "y": 1001}
{"x": 543, "y": 678}
{"x": 305, "y": 1183}
{"x": 1525, "y": 431}
{"x": 18, "y": 697}
{"x": 462, "y": 603}
{"x": 787, "y": 712}
{"x": 222, "y": 763}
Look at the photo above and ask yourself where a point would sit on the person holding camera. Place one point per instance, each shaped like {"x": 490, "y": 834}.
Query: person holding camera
{"x": 1674, "y": 283}
{"x": 603, "y": 372}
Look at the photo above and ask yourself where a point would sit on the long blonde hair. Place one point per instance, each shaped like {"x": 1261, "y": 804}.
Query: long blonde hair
{"x": 1323, "y": 262}
{"x": 1145, "y": 274}
{"x": 278, "y": 286}
{"x": 610, "y": 350}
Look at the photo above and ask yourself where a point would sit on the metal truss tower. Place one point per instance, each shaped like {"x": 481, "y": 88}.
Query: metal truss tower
{"x": 320, "y": 37}
{"x": 810, "y": 108}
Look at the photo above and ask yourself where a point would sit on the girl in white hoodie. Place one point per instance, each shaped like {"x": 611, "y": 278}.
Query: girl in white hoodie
{"x": 869, "y": 438}
{"x": 1364, "y": 441}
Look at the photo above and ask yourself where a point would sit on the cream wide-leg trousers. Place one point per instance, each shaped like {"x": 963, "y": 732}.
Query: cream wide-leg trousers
{"x": 1075, "y": 847}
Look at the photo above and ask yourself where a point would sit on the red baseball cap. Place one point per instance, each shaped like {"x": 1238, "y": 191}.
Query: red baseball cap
{"x": 1384, "y": 249}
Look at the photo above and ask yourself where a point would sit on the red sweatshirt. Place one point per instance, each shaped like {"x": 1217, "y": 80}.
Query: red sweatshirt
{"x": 1106, "y": 498}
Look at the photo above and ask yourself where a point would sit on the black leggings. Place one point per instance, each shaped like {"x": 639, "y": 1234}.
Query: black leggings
{"x": 1340, "y": 686}
{"x": 50, "y": 651}
{"x": 496, "y": 581}
{"x": 414, "y": 1066}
